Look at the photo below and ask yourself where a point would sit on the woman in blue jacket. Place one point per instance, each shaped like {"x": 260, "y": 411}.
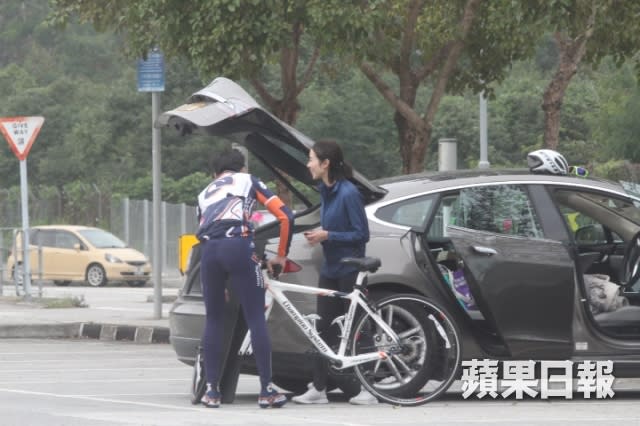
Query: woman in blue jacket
{"x": 343, "y": 232}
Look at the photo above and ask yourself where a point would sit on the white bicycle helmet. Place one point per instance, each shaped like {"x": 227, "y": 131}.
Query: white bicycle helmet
{"x": 547, "y": 161}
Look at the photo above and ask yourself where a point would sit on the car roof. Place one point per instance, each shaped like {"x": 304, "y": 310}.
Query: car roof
{"x": 414, "y": 184}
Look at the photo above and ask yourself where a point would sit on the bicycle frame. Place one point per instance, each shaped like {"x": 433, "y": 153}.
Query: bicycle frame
{"x": 278, "y": 288}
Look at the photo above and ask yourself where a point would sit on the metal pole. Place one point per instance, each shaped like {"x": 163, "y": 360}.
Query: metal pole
{"x": 163, "y": 228}
{"x": 26, "y": 277}
{"x": 125, "y": 220}
{"x": 157, "y": 199}
{"x": 484, "y": 162}
{"x": 2, "y": 264}
{"x": 145, "y": 221}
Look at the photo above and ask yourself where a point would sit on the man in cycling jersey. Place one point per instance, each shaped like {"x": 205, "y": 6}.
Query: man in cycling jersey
{"x": 228, "y": 253}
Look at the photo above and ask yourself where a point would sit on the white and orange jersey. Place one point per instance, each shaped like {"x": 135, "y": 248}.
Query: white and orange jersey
{"x": 226, "y": 204}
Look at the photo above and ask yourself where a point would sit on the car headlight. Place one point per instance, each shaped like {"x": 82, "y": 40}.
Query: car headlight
{"x": 111, "y": 258}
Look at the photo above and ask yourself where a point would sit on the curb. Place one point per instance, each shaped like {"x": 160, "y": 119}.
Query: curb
{"x": 106, "y": 332}
{"x": 111, "y": 332}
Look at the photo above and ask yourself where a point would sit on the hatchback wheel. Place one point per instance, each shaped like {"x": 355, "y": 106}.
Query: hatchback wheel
{"x": 96, "y": 276}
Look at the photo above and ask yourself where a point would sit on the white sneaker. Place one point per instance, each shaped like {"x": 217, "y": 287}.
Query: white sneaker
{"x": 312, "y": 396}
{"x": 363, "y": 398}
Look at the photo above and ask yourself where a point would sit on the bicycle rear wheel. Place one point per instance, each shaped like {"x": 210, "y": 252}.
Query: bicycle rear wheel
{"x": 427, "y": 359}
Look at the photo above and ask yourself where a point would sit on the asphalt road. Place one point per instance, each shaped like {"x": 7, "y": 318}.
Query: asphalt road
{"x": 91, "y": 382}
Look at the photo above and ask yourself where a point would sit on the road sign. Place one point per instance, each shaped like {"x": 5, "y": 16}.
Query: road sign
{"x": 20, "y": 133}
{"x": 151, "y": 73}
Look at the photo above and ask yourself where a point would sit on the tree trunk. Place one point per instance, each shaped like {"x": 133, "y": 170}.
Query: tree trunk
{"x": 570, "y": 52}
{"x": 288, "y": 107}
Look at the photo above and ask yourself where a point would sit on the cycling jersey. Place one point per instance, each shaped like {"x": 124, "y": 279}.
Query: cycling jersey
{"x": 226, "y": 204}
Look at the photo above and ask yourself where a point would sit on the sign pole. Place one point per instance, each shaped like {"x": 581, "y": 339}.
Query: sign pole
{"x": 151, "y": 79}
{"x": 21, "y": 133}
{"x": 157, "y": 211}
{"x": 26, "y": 268}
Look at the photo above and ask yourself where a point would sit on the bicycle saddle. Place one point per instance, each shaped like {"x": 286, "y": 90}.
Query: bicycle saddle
{"x": 369, "y": 264}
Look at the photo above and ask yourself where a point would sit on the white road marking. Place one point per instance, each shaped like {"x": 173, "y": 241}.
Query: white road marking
{"x": 255, "y": 412}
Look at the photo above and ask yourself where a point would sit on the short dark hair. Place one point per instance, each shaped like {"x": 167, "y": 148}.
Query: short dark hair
{"x": 338, "y": 167}
{"x": 227, "y": 160}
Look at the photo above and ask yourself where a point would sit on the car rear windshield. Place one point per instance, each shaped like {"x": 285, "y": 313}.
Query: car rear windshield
{"x": 102, "y": 239}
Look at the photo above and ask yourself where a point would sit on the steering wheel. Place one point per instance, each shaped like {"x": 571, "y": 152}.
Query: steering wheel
{"x": 631, "y": 262}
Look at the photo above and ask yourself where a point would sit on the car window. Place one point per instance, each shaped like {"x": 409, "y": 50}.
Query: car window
{"x": 102, "y": 239}
{"x": 412, "y": 212}
{"x": 500, "y": 209}
{"x": 65, "y": 240}
{"x": 591, "y": 216}
{"x": 44, "y": 238}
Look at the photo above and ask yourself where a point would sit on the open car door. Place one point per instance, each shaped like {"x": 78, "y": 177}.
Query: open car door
{"x": 524, "y": 286}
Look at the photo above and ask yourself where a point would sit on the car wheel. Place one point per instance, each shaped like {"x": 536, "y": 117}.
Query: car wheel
{"x": 17, "y": 276}
{"x": 137, "y": 283}
{"x": 296, "y": 386}
{"x": 62, "y": 283}
{"x": 96, "y": 277}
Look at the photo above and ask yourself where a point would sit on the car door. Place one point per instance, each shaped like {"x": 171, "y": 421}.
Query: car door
{"x": 68, "y": 259}
{"x": 43, "y": 259}
{"x": 522, "y": 282}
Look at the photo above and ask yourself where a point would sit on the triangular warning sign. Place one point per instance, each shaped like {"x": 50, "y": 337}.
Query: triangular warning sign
{"x": 20, "y": 133}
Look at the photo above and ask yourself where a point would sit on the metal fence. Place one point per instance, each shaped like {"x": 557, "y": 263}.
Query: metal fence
{"x": 131, "y": 220}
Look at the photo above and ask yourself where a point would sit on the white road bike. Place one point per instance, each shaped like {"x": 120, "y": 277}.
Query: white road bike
{"x": 404, "y": 349}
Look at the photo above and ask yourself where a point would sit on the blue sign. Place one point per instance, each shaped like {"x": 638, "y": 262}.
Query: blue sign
{"x": 151, "y": 73}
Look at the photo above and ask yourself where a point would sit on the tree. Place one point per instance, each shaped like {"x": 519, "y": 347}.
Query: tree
{"x": 236, "y": 38}
{"x": 584, "y": 32}
{"x": 445, "y": 45}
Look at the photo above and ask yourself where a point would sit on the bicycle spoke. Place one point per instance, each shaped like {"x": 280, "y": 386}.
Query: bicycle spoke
{"x": 405, "y": 334}
{"x": 394, "y": 370}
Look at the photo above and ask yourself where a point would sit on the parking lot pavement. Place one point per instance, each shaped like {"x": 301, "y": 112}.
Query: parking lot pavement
{"x": 91, "y": 382}
{"x": 112, "y": 313}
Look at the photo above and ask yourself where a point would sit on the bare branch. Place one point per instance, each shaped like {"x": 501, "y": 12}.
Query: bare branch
{"x": 434, "y": 62}
{"x": 386, "y": 91}
{"x": 452, "y": 59}
{"x": 309, "y": 71}
{"x": 408, "y": 41}
{"x": 266, "y": 97}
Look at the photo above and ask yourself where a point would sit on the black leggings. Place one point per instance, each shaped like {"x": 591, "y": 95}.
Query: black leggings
{"x": 233, "y": 259}
{"x": 328, "y": 308}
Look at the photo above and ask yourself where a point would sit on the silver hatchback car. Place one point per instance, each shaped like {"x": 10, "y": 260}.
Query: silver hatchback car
{"x": 507, "y": 253}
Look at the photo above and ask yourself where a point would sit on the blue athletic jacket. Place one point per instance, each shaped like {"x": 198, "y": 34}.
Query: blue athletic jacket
{"x": 342, "y": 214}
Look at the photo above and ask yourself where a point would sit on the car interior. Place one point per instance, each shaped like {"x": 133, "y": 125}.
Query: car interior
{"x": 604, "y": 229}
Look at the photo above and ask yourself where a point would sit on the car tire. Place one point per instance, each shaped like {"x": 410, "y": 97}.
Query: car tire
{"x": 17, "y": 277}
{"x": 294, "y": 385}
{"x": 62, "y": 283}
{"x": 96, "y": 277}
{"x": 137, "y": 283}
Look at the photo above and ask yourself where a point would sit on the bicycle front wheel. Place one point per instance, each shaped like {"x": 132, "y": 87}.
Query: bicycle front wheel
{"x": 425, "y": 361}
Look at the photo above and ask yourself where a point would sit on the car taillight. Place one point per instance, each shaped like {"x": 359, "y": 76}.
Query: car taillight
{"x": 291, "y": 266}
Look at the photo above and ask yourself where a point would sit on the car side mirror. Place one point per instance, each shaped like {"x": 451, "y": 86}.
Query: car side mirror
{"x": 77, "y": 246}
{"x": 591, "y": 234}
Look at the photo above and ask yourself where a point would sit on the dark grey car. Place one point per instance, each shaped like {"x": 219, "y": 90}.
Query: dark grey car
{"x": 505, "y": 252}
